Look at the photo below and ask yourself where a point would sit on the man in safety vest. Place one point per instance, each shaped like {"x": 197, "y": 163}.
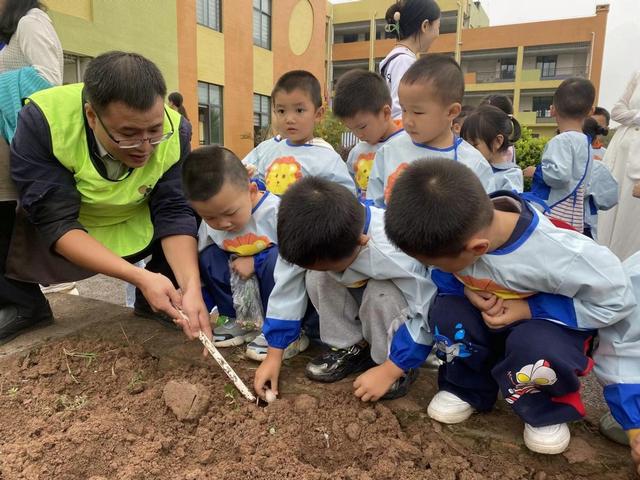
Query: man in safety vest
{"x": 97, "y": 167}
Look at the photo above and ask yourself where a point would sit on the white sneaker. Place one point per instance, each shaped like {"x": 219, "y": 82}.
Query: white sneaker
{"x": 551, "y": 439}
{"x": 257, "y": 349}
{"x": 445, "y": 407}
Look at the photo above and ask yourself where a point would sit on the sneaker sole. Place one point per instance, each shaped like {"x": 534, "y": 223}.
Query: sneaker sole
{"x": 336, "y": 377}
{"x": 303, "y": 344}
{"x": 236, "y": 341}
{"x": 447, "y": 417}
{"x": 547, "y": 449}
{"x": 253, "y": 355}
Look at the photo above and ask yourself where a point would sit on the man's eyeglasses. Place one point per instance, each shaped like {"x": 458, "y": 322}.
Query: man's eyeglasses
{"x": 129, "y": 143}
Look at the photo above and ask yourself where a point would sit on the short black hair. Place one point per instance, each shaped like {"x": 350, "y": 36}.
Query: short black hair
{"x": 436, "y": 207}
{"x": 413, "y": 13}
{"x": 574, "y": 98}
{"x": 442, "y": 72}
{"x": 465, "y": 111}
{"x": 501, "y": 101}
{"x": 299, "y": 80}
{"x": 487, "y": 122}
{"x": 123, "y": 77}
{"x": 318, "y": 220}
{"x": 207, "y": 169}
{"x": 604, "y": 113}
{"x": 360, "y": 91}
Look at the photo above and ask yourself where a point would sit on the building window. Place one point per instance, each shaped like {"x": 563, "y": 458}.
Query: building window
{"x": 74, "y": 68}
{"x": 542, "y": 106}
{"x": 547, "y": 66}
{"x": 262, "y": 23}
{"x": 261, "y": 117}
{"x": 210, "y": 113}
{"x": 507, "y": 69}
{"x": 209, "y": 13}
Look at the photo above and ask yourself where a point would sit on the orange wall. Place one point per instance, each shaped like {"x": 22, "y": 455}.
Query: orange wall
{"x": 187, "y": 62}
{"x": 313, "y": 59}
{"x": 238, "y": 82}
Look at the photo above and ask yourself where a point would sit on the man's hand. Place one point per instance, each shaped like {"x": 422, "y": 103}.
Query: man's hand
{"x": 268, "y": 372}
{"x": 376, "y": 381}
{"x": 512, "y": 311}
{"x": 636, "y": 190}
{"x": 484, "y": 301}
{"x": 160, "y": 293}
{"x": 244, "y": 267}
{"x": 529, "y": 172}
{"x": 196, "y": 311}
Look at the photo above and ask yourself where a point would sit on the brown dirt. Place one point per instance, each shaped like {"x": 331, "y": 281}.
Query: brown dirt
{"x": 82, "y": 408}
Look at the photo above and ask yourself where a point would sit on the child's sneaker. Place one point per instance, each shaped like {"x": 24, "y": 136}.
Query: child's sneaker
{"x": 401, "y": 386}
{"x": 445, "y": 407}
{"x": 257, "y": 349}
{"x": 551, "y": 439}
{"x": 337, "y": 363}
{"x": 231, "y": 334}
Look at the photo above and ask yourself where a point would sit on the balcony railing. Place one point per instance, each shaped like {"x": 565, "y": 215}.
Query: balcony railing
{"x": 493, "y": 77}
{"x": 557, "y": 73}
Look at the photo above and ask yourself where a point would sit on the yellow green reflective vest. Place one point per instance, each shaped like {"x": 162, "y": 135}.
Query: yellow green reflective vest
{"x": 116, "y": 213}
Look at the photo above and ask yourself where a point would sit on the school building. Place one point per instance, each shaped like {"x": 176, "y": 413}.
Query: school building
{"x": 526, "y": 62}
{"x": 222, "y": 55}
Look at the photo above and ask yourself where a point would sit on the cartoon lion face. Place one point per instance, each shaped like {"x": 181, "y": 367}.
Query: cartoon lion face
{"x": 391, "y": 181}
{"x": 246, "y": 245}
{"x": 362, "y": 169}
{"x": 282, "y": 173}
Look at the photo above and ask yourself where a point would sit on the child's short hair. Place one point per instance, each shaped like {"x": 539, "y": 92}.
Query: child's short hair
{"x": 465, "y": 111}
{"x": 318, "y": 220}
{"x": 574, "y": 98}
{"x": 360, "y": 91}
{"x": 487, "y": 122}
{"x": 501, "y": 101}
{"x": 436, "y": 207}
{"x": 299, "y": 80}
{"x": 207, "y": 169}
{"x": 603, "y": 112}
{"x": 442, "y": 72}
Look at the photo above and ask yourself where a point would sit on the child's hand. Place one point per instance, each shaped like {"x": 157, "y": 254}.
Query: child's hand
{"x": 244, "y": 267}
{"x": 636, "y": 190}
{"x": 529, "y": 172}
{"x": 484, "y": 301}
{"x": 635, "y": 448}
{"x": 376, "y": 381}
{"x": 512, "y": 311}
{"x": 251, "y": 170}
{"x": 268, "y": 373}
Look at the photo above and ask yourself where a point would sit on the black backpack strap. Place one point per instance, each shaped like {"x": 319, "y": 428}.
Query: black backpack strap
{"x": 383, "y": 70}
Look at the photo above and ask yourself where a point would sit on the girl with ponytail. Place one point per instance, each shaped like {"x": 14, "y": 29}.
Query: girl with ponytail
{"x": 493, "y": 132}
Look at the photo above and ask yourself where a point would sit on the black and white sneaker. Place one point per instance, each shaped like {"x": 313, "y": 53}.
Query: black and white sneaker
{"x": 401, "y": 386}
{"x": 337, "y": 363}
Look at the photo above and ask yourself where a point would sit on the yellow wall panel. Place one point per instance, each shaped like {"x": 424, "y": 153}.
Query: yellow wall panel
{"x": 262, "y": 71}
{"x": 210, "y": 55}
{"x": 73, "y": 8}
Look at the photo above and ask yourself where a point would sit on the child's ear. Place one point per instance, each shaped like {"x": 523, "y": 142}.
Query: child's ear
{"x": 363, "y": 240}
{"x": 319, "y": 113}
{"x": 552, "y": 110}
{"x": 386, "y": 111}
{"x": 454, "y": 111}
{"x": 497, "y": 143}
{"x": 477, "y": 246}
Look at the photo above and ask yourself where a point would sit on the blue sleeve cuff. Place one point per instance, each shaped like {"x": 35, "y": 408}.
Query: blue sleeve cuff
{"x": 548, "y": 306}
{"x": 405, "y": 353}
{"x": 281, "y": 333}
{"x": 447, "y": 283}
{"x": 624, "y": 403}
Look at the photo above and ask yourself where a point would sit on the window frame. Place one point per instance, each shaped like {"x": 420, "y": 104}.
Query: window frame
{"x": 262, "y": 14}
{"x": 207, "y": 137}
{"x": 544, "y": 62}
{"x": 260, "y": 130}
{"x": 206, "y": 21}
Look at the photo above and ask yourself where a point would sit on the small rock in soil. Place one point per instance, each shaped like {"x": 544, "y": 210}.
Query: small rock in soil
{"x": 579, "y": 451}
{"x": 136, "y": 388}
{"x": 353, "y": 431}
{"x": 305, "y": 403}
{"x": 186, "y": 400}
{"x": 368, "y": 415}
{"x": 206, "y": 457}
{"x": 540, "y": 476}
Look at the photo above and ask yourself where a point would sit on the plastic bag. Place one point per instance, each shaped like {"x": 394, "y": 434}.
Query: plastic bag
{"x": 246, "y": 299}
